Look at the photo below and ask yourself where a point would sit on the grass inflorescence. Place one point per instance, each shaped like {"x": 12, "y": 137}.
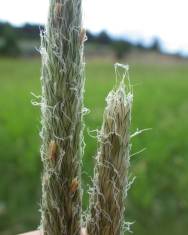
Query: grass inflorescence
{"x": 107, "y": 199}
{"x": 62, "y": 110}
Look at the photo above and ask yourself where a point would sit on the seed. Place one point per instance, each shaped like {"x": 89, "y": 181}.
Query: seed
{"x": 52, "y": 150}
{"x": 58, "y": 9}
{"x": 74, "y": 185}
{"x": 83, "y": 36}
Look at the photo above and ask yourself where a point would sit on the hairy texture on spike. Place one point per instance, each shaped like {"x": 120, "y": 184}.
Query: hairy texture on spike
{"x": 111, "y": 172}
{"x": 62, "y": 110}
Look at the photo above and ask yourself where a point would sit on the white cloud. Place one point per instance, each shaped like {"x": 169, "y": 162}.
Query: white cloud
{"x": 147, "y": 18}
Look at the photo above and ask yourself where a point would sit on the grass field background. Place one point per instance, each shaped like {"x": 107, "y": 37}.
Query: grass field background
{"x": 157, "y": 201}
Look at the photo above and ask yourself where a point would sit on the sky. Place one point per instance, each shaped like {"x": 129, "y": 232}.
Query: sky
{"x": 133, "y": 19}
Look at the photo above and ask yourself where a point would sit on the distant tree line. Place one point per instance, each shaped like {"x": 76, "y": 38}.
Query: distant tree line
{"x": 27, "y": 31}
{"x": 10, "y": 35}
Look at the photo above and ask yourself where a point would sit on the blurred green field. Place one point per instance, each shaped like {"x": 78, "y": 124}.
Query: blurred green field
{"x": 157, "y": 201}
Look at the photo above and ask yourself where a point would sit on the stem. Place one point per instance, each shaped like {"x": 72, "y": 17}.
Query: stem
{"x": 62, "y": 104}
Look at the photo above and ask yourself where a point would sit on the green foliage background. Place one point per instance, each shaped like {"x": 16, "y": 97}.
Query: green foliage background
{"x": 157, "y": 201}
